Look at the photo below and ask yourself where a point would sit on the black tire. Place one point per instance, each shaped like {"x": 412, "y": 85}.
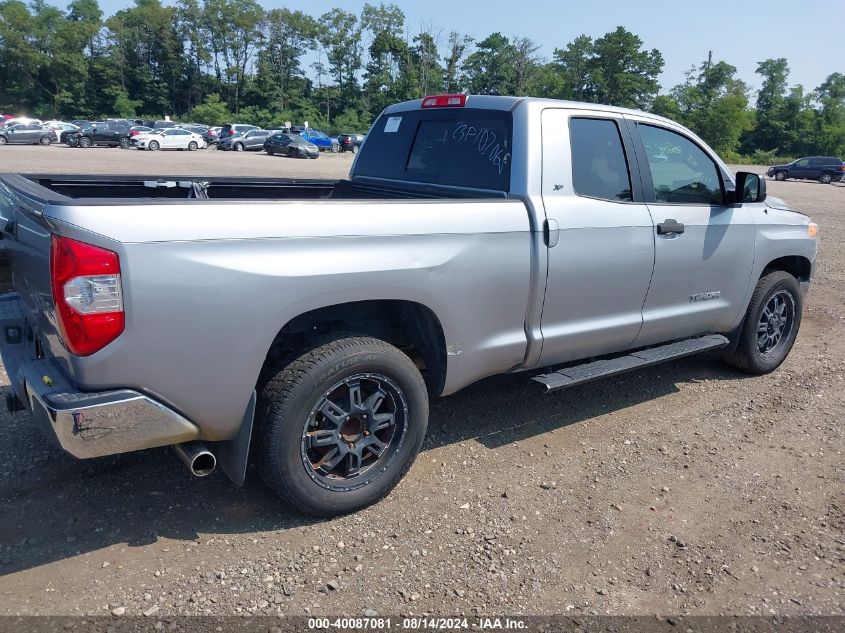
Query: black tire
{"x": 192, "y": 146}
{"x": 291, "y": 153}
{"x": 825, "y": 179}
{"x": 354, "y": 149}
{"x": 45, "y": 140}
{"x": 752, "y": 357}
{"x": 153, "y": 146}
{"x": 293, "y": 400}
{"x": 124, "y": 142}
{"x": 72, "y": 141}
{"x": 3, "y": 140}
{"x": 781, "y": 175}
{"x": 239, "y": 147}
{"x": 84, "y": 142}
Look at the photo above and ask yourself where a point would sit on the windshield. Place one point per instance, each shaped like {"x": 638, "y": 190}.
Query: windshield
{"x": 461, "y": 147}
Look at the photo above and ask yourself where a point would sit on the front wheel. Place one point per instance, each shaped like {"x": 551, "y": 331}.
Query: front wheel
{"x": 46, "y": 140}
{"x": 3, "y": 140}
{"x": 84, "y": 142}
{"x": 826, "y": 179}
{"x": 340, "y": 425}
{"x": 153, "y": 145}
{"x": 239, "y": 147}
{"x": 781, "y": 175}
{"x": 124, "y": 142}
{"x": 335, "y": 148}
{"x": 72, "y": 141}
{"x": 771, "y": 324}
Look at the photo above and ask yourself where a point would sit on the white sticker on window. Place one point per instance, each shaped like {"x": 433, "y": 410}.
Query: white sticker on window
{"x": 392, "y": 124}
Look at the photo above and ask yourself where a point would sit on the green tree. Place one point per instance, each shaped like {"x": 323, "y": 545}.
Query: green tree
{"x": 573, "y": 65}
{"x": 714, "y": 104}
{"x": 340, "y": 39}
{"x": 288, "y": 37}
{"x": 622, "y": 72}
{"x": 457, "y": 49}
{"x": 831, "y": 118}
{"x": 490, "y": 69}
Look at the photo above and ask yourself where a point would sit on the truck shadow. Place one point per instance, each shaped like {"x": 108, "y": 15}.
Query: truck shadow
{"x": 53, "y": 507}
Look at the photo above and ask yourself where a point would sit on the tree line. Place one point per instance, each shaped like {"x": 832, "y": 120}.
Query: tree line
{"x": 215, "y": 60}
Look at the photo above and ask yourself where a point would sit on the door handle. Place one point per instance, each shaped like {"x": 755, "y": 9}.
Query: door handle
{"x": 669, "y": 226}
{"x": 551, "y": 233}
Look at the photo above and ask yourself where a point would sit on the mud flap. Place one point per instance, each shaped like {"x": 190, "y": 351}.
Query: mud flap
{"x": 233, "y": 456}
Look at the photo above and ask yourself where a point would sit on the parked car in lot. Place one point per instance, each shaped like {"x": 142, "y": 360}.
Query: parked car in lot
{"x": 350, "y": 142}
{"x": 26, "y": 134}
{"x": 292, "y": 145}
{"x": 825, "y": 169}
{"x": 107, "y": 133}
{"x": 135, "y": 130}
{"x": 251, "y": 140}
{"x": 168, "y": 138}
{"x": 321, "y": 140}
{"x": 235, "y": 129}
{"x": 212, "y": 135}
{"x": 305, "y": 324}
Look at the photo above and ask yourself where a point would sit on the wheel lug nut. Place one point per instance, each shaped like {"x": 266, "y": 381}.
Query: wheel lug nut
{"x": 366, "y": 433}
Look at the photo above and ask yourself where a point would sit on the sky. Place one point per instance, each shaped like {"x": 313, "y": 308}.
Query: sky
{"x": 740, "y": 33}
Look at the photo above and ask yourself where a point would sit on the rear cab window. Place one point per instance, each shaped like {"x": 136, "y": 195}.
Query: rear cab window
{"x": 459, "y": 147}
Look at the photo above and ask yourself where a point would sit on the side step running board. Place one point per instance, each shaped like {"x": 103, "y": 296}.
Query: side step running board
{"x": 579, "y": 374}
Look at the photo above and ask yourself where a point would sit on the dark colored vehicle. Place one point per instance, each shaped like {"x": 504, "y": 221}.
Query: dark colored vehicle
{"x": 109, "y": 133}
{"x": 350, "y": 142}
{"x": 292, "y": 145}
{"x": 26, "y": 134}
{"x": 235, "y": 129}
{"x": 825, "y": 169}
{"x": 81, "y": 122}
{"x": 251, "y": 140}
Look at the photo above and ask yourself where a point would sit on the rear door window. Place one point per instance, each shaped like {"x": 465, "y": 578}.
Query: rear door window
{"x": 461, "y": 147}
{"x": 599, "y": 166}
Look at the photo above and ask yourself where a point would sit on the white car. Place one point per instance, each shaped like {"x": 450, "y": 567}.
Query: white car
{"x": 169, "y": 138}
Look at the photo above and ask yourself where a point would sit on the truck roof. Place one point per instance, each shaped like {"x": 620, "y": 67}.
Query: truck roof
{"x": 491, "y": 102}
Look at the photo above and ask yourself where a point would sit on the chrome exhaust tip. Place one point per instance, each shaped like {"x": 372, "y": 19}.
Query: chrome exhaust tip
{"x": 196, "y": 456}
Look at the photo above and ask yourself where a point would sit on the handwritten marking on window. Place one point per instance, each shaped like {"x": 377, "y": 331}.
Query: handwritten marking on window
{"x": 485, "y": 141}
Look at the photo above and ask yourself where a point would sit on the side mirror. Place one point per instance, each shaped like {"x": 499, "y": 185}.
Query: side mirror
{"x": 749, "y": 188}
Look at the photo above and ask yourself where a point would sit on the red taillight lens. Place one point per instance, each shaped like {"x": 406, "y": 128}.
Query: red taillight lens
{"x": 842, "y": 168}
{"x": 444, "y": 101}
{"x": 87, "y": 294}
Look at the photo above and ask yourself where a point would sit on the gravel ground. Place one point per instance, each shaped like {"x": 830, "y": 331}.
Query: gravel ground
{"x": 687, "y": 488}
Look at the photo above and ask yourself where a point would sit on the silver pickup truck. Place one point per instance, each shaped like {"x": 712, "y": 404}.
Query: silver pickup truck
{"x": 303, "y": 324}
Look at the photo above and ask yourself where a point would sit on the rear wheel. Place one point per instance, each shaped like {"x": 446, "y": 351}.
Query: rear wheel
{"x": 781, "y": 175}
{"x": 153, "y": 145}
{"x": 72, "y": 141}
{"x": 124, "y": 142}
{"x": 335, "y": 148}
{"x": 340, "y": 425}
{"x": 771, "y": 324}
{"x": 826, "y": 179}
{"x": 3, "y": 140}
{"x": 84, "y": 142}
{"x": 46, "y": 140}
{"x": 192, "y": 146}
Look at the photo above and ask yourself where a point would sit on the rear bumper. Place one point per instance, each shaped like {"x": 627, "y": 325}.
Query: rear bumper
{"x": 85, "y": 424}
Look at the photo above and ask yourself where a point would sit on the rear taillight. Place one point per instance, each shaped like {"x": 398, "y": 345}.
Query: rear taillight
{"x": 842, "y": 168}
{"x": 87, "y": 294}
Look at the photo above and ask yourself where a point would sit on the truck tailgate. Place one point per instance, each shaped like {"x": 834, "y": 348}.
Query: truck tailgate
{"x": 26, "y": 240}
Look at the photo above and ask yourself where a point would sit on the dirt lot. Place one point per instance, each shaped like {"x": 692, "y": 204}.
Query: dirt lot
{"x": 688, "y": 488}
